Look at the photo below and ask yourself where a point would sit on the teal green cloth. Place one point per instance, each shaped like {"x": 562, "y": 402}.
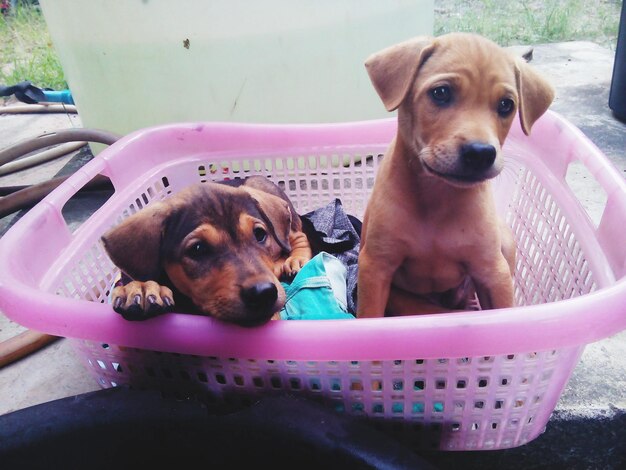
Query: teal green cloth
{"x": 318, "y": 291}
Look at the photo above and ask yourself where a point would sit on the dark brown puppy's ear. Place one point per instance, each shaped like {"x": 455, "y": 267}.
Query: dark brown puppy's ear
{"x": 263, "y": 184}
{"x": 134, "y": 245}
{"x": 393, "y": 69}
{"x": 535, "y": 95}
{"x": 276, "y": 213}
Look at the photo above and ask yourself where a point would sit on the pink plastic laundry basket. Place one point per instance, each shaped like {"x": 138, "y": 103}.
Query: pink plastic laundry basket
{"x": 458, "y": 381}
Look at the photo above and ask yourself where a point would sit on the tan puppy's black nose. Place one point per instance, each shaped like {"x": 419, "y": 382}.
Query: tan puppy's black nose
{"x": 261, "y": 296}
{"x": 478, "y": 156}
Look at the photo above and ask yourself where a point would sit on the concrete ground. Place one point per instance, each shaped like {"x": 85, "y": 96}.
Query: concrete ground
{"x": 588, "y": 428}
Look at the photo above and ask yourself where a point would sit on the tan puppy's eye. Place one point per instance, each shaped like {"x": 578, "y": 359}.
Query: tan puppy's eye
{"x": 441, "y": 95}
{"x": 505, "y": 107}
{"x": 260, "y": 234}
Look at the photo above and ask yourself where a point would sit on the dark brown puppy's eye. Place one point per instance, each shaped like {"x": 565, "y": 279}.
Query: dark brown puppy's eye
{"x": 260, "y": 234}
{"x": 441, "y": 94}
{"x": 505, "y": 107}
{"x": 198, "y": 250}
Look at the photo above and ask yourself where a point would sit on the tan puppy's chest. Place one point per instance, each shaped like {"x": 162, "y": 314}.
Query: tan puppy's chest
{"x": 438, "y": 260}
{"x": 422, "y": 275}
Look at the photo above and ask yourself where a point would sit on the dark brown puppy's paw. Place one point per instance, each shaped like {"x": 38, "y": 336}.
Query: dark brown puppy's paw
{"x": 142, "y": 300}
{"x": 293, "y": 265}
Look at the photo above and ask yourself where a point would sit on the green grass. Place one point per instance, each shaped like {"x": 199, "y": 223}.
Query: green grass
{"x": 26, "y": 51}
{"x": 531, "y": 21}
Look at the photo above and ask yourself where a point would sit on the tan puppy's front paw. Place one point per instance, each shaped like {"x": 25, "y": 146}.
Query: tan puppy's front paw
{"x": 142, "y": 300}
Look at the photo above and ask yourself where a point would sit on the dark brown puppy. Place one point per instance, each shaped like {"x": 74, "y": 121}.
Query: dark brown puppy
{"x": 216, "y": 249}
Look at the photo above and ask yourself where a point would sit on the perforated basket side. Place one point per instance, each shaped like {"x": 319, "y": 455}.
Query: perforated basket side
{"x": 486, "y": 402}
{"x": 551, "y": 264}
{"x": 310, "y": 177}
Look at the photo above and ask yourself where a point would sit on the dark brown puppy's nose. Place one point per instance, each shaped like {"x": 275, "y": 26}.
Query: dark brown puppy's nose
{"x": 261, "y": 296}
{"x": 477, "y": 156}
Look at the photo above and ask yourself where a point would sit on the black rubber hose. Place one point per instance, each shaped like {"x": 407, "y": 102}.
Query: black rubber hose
{"x": 24, "y": 91}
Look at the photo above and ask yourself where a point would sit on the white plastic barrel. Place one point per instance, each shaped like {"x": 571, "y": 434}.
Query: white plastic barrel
{"x": 133, "y": 64}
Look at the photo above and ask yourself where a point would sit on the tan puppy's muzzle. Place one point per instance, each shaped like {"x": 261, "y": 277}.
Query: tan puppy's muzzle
{"x": 464, "y": 164}
{"x": 477, "y": 157}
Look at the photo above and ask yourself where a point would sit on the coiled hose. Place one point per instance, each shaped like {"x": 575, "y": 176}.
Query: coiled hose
{"x": 22, "y": 197}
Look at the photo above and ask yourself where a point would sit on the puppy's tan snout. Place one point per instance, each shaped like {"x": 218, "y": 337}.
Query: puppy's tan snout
{"x": 478, "y": 156}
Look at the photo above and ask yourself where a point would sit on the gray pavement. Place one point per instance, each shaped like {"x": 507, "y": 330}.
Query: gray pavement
{"x": 588, "y": 428}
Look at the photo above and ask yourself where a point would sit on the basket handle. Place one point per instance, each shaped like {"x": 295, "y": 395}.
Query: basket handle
{"x": 77, "y": 181}
{"x": 610, "y": 227}
{"x": 611, "y": 231}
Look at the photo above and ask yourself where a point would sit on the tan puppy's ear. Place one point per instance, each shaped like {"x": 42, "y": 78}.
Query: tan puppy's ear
{"x": 134, "y": 245}
{"x": 276, "y": 213}
{"x": 535, "y": 95}
{"x": 393, "y": 69}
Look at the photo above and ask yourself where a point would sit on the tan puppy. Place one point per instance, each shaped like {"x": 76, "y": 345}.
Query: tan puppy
{"x": 431, "y": 235}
